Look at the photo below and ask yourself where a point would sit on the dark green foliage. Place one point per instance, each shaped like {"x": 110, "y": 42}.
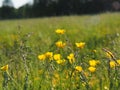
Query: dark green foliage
{"x": 42, "y": 8}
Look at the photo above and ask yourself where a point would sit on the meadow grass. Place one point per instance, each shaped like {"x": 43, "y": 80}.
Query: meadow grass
{"x": 92, "y": 65}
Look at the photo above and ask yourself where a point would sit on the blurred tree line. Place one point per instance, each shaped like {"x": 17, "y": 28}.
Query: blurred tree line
{"x": 58, "y": 7}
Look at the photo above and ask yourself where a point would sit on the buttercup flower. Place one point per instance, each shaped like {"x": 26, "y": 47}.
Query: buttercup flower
{"x": 4, "y": 68}
{"x": 71, "y": 58}
{"x": 57, "y": 56}
{"x": 41, "y": 57}
{"x": 80, "y": 45}
{"x": 118, "y": 61}
{"x": 60, "y": 44}
{"x": 55, "y": 79}
{"x": 93, "y": 62}
{"x": 60, "y": 61}
{"x": 112, "y": 64}
{"x": 49, "y": 55}
{"x": 109, "y": 54}
{"x": 78, "y": 68}
{"x": 60, "y": 31}
{"x": 94, "y": 51}
{"x": 92, "y": 69}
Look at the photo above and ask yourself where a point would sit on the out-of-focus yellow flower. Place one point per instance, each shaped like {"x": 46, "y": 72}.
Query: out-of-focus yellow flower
{"x": 112, "y": 64}
{"x": 57, "y": 56}
{"x": 93, "y": 81}
{"x": 109, "y": 54}
{"x": 71, "y": 58}
{"x": 49, "y": 55}
{"x": 106, "y": 88}
{"x": 36, "y": 78}
{"x": 14, "y": 37}
{"x": 4, "y": 68}
{"x": 60, "y": 44}
{"x": 80, "y": 45}
{"x": 94, "y": 51}
{"x": 84, "y": 84}
{"x": 92, "y": 69}
{"x": 78, "y": 68}
{"x": 55, "y": 79}
{"x": 118, "y": 61}
{"x": 41, "y": 57}
{"x": 93, "y": 62}
{"x": 60, "y": 61}
{"x": 60, "y": 31}
{"x": 56, "y": 75}
{"x": 54, "y": 82}
{"x": 40, "y": 71}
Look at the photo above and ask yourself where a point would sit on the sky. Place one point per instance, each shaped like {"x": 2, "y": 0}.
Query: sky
{"x": 18, "y": 3}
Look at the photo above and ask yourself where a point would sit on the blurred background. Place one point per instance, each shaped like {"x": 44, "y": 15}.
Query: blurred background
{"x": 11, "y": 9}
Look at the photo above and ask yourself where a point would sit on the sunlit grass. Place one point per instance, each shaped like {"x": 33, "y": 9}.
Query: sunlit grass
{"x": 61, "y": 53}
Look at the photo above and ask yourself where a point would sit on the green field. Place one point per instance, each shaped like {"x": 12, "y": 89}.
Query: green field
{"x": 23, "y": 41}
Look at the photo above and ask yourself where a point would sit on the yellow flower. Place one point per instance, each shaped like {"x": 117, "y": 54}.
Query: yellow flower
{"x": 55, "y": 79}
{"x": 36, "y": 78}
{"x": 60, "y": 31}
{"x": 92, "y": 69}
{"x": 60, "y": 44}
{"x": 109, "y": 54}
{"x": 118, "y": 61}
{"x": 78, "y": 68}
{"x": 106, "y": 88}
{"x": 40, "y": 71}
{"x": 57, "y": 56}
{"x": 71, "y": 58}
{"x": 80, "y": 45}
{"x": 49, "y": 55}
{"x": 93, "y": 62}
{"x": 41, "y": 57}
{"x": 112, "y": 64}
{"x": 14, "y": 37}
{"x": 60, "y": 61}
{"x": 4, "y": 68}
{"x": 94, "y": 51}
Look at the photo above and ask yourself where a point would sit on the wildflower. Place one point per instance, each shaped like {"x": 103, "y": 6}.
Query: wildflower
{"x": 41, "y": 57}
{"x": 60, "y": 61}
{"x": 106, "y": 88}
{"x": 94, "y": 51}
{"x": 55, "y": 79}
{"x": 118, "y": 61}
{"x": 36, "y": 78}
{"x": 60, "y": 31}
{"x": 54, "y": 82}
{"x": 60, "y": 44}
{"x": 40, "y": 71}
{"x": 14, "y": 37}
{"x": 109, "y": 54}
{"x": 84, "y": 84}
{"x": 78, "y": 68}
{"x": 93, "y": 63}
{"x": 4, "y": 68}
{"x": 49, "y": 55}
{"x": 92, "y": 69}
{"x": 112, "y": 64}
{"x": 80, "y": 45}
{"x": 71, "y": 58}
{"x": 57, "y": 56}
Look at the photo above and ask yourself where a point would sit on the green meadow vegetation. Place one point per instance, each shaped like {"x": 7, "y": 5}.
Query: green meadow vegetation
{"x": 61, "y": 53}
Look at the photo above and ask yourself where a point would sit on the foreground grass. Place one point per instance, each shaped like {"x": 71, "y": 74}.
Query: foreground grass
{"x": 21, "y": 41}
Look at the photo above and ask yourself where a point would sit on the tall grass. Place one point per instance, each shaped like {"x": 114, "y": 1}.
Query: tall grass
{"x": 22, "y": 41}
